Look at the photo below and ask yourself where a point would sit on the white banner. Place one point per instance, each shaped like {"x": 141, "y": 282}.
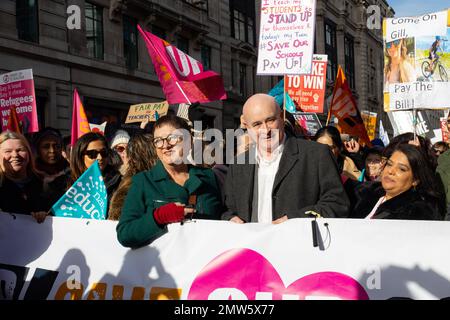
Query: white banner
{"x": 67, "y": 258}
{"x": 286, "y": 37}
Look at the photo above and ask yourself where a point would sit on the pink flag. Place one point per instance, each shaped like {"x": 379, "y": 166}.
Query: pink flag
{"x": 182, "y": 77}
{"x": 80, "y": 124}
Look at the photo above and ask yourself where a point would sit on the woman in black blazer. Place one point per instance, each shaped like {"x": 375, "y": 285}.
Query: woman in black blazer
{"x": 408, "y": 190}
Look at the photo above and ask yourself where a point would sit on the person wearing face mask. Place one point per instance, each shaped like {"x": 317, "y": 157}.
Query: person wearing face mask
{"x": 21, "y": 190}
{"x": 408, "y": 189}
{"x": 171, "y": 191}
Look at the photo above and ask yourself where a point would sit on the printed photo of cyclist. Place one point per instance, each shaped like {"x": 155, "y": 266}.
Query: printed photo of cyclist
{"x": 399, "y": 59}
{"x": 433, "y": 57}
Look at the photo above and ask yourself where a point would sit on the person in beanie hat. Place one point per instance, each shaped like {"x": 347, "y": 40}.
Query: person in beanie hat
{"x": 119, "y": 144}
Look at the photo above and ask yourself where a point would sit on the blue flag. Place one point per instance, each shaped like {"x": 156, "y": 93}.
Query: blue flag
{"x": 290, "y": 105}
{"x": 86, "y": 198}
{"x": 277, "y": 92}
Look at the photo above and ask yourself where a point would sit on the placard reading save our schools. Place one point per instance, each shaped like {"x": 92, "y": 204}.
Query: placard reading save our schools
{"x": 417, "y": 62}
{"x": 220, "y": 260}
{"x": 17, "y": 91}
{"x": 286, "y": 40}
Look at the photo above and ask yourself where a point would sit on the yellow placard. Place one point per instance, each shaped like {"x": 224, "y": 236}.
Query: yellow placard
{"x": 143, "y": 111}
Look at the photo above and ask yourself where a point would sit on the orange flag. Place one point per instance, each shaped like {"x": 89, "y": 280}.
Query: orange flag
{"x": 80, "y": 124}
{"x": 13, "y": 121}
{"x": 343, "y": 106}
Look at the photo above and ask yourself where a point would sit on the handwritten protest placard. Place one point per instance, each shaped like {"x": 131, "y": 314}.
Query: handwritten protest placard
{"x": 308, "y": 91}
{"x": 417, "y": 62}
{"x": 17, "y": 91}
{"x": 151, "y": 111}
{"x": 286, "y": 41}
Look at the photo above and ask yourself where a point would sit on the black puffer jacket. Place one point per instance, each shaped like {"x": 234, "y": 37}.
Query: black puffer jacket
{"x": 409, "y": 205}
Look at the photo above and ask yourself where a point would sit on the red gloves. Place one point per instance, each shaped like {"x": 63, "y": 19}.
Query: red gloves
{"x": 168, "y": 213}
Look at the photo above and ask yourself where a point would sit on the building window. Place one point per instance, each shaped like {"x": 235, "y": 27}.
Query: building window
{"x": 243, "y": 79}
{"x": 372, "y": 81}
{"x": 94, "y": 30}
{"x": 159, "y": 32}
{"x": 27, "y": 20}
{"x": 242, "y": 18}
{"x": 183, "y": 44}
{"x": 206, "y": 57}
{"x": 130, "y": 49}
{"x": 234, "y": 73}
{"x": 349, "y": 60}
{"x": 331, "y": 49}
{"x": 200, "y": 4}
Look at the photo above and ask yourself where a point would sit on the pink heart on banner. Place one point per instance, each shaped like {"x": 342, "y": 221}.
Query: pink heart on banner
{"x": 240, "y": 274}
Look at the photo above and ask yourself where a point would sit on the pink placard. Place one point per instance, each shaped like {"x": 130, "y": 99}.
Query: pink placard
{"x": 17, "y": 90}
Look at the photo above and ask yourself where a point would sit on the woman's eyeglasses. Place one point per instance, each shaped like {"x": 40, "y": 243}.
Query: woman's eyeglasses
{"x": 389, "y": 44}
{"x": 172, "y": 139}
{"x": 120, "y": 149}
{"x": 93, "y": 154}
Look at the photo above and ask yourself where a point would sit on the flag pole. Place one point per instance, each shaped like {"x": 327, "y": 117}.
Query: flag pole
{"x": 284, "y": 99}
{"x": 182, "y": 92}
{"x": 415, "y": 123}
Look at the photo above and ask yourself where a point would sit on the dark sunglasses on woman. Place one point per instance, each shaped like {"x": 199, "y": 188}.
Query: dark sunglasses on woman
{"x": 93, "y": 154}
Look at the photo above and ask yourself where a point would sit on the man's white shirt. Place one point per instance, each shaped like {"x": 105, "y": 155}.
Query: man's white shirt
{"x": 267, "y": 170}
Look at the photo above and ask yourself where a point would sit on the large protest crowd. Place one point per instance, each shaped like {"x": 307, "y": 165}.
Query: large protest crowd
{"x": 152, "y": 179}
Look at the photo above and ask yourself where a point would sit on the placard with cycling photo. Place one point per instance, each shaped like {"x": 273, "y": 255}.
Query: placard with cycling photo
{"x": 417, "y": 62}
{"x": 433, "y": 58}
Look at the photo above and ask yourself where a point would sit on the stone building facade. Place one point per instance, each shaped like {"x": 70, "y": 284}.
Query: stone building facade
{"x": 108, "y": 63}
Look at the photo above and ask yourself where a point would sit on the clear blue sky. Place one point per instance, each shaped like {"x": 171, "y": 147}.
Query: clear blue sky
{"x": 405, "y": 8}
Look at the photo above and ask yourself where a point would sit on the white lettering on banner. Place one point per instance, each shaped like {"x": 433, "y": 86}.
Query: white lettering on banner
{"x": 184, "y": 58}
{"x": 368, "y": 269}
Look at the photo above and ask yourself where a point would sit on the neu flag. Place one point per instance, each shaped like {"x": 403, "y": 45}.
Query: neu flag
{"x": 277, "y": 92}
{"x": 343, "y": 106}
{"x": 290, "y": 104}
{"x": 80, "y": 124}
{"x": 182, "y": 77}
{"x": 86, "y": 198}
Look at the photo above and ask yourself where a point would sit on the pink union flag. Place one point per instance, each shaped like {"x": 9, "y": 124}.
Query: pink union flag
{"x": 182, "y": 77}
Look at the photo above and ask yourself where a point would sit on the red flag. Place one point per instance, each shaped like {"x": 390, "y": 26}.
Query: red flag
{"x": 80, "y": 124}
{"x": 343, "y": 107}
{"x": 182, "y": 77}
{"x": 13, "y": 121}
